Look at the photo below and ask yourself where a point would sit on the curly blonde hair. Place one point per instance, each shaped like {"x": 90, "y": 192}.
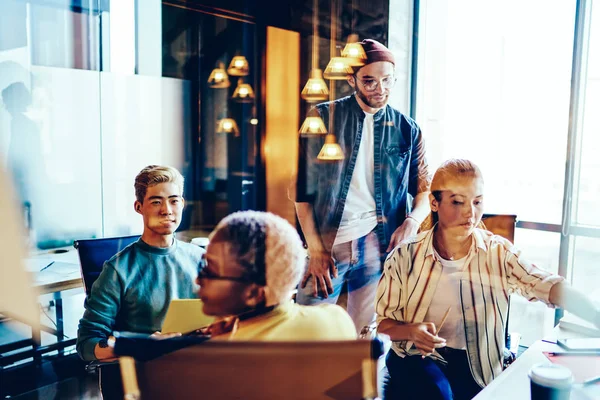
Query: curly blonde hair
{"x": 267, "y": 247}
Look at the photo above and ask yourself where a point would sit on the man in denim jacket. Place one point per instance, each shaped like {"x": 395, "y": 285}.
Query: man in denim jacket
{"x": 353, "y": 212}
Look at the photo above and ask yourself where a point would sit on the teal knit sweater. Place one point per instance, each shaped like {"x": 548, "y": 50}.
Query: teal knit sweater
{"x": 134, "y": 290}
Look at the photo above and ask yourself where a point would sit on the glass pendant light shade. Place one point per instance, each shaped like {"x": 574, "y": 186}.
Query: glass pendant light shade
{"x": 238, "y": 66}
{"x": 243, "y": 92}
{"x": 354, "y": 53}
{"x": 228, "y": 125}
{"x": 218, "y": 78}
{"x": 331, "y": 150}
{"x": 316, "y": 88}
{"x": 313, "y": 126}
{"x": 338, "y": 69}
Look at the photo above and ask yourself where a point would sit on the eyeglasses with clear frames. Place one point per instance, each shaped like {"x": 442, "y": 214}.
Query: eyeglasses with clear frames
{"x": 372, "y": 84}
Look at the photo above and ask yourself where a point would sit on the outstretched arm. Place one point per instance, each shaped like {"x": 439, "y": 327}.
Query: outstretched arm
{"x": 565, "y": 296}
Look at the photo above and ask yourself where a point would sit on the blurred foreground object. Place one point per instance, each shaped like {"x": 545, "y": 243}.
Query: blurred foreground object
{"x": 17, "y": 297}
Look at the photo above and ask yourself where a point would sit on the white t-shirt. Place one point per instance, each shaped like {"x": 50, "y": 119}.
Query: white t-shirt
{"x": 447, "y": 294}
{"x": 359, "y": 217}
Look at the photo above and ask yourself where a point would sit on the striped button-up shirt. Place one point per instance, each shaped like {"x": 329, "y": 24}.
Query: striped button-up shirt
{"x": 493, "y": 269}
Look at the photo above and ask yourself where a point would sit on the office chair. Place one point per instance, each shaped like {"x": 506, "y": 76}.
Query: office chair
{"x": 93, "y": 253}
{"x": 255, "y": 370}
{"x": 501, "y": 225}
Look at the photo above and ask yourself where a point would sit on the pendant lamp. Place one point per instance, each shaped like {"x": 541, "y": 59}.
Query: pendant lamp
{"x": 316, "y": 88}
{"x": 218, "y": 78}
{"x": 338, "y": 69}
{"x": 238, "y": 66}
{"x": 353, "y": 52}
{"x": 331, "y": 150}
{"x": 243, "y": 92}
{"x": 228, "y": 125}
{"x": 313, "y": 126}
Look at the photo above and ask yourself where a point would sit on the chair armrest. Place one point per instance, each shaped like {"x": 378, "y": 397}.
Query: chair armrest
{"x": 94, "y": 365}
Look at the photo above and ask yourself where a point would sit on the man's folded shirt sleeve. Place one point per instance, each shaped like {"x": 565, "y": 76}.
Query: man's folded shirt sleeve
{"x": 419, "y": 177}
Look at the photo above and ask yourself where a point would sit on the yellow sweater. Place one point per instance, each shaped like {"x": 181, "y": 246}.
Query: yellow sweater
{"x": 293, "y": 322}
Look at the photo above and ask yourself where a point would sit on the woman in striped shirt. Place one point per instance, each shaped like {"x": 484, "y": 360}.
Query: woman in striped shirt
{"x": 462, "y": 275}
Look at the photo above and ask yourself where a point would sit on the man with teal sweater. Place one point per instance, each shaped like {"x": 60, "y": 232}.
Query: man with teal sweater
{"x": 135, "y": 287}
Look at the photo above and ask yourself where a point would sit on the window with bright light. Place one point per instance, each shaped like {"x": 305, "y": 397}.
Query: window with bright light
{"x": 494, "y": 87}
{"x": 585, "y": 226}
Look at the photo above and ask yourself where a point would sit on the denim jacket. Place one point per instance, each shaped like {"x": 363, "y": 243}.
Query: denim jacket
{"x": 400, "y": 168}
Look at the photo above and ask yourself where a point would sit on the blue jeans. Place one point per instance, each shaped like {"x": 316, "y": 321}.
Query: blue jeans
{"x": 359, "y": 263}
{"x": 413, "y": 377}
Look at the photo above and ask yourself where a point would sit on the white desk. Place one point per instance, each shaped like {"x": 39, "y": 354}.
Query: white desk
{"x": 52, "y": 272}
{"x": 63, "y": 274}
{"x": 513, "y": 383}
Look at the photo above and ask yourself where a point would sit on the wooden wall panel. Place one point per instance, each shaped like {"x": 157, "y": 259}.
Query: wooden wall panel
{"x": 280, "y": 146}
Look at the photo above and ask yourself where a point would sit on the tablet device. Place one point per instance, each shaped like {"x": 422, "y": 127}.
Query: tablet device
{"x": 580, "y": 344}
{"x": 184, "y": 316}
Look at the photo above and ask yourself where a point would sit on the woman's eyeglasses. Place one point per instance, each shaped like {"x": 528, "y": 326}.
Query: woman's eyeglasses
{"x": 371, "y": 84}
{"x": 205, "y": 273}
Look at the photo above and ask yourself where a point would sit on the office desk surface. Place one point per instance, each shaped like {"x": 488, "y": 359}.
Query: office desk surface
{"x": 54, "y": 271}
{"x": 513, "y": 383}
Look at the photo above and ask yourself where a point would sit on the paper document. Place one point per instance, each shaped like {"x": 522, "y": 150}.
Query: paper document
{"x": 185, "y": 315}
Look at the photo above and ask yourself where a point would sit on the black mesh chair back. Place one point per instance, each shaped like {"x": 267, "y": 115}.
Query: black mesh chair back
{"x": 93, "y": 253}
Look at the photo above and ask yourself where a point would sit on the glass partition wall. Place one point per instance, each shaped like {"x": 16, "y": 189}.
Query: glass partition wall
{"x": 218, "y": 55}
{"x": 50, "y": 116}
{"x": 92, "y": 91}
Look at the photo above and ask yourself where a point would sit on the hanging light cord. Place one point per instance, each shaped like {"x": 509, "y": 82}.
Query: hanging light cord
{"x": 332, "y": 53}
{"x": 315, "y": 51}
{"x": 332, "y": 47}
{"x": 352, "y": 18}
